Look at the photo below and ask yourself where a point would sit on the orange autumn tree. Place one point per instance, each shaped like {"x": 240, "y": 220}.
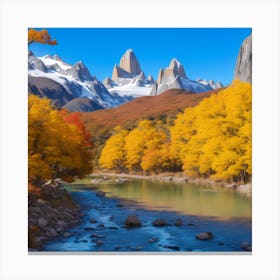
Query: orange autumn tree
{"x": 42, "y": 36}
{"x": 75, "y": 118}
{"x": 56, "y": 148}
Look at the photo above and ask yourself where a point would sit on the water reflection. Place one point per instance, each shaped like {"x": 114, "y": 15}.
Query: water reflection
{"x": 184, "y": 198}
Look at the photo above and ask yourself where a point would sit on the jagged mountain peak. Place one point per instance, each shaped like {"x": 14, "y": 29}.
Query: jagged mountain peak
{"x": 177, "y": 68}
{"x": 129, "y": 51}
{"x": 80, "y": 65}
{"x": 174, "y": 62}
{"x": 56, "y": 57}
{"x": 128, "y": 67}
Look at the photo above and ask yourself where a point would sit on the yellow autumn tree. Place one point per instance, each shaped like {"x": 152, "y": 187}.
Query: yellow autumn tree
{"x": 184, "y": 128}
{"x": 147, "y": 147}
{"x": 134, "y": 148}
{"x": 55, "y": 148}
{"x": 156, "y": 148}
{"x": 113, "y": 153}
{"x": 214, "y": 138}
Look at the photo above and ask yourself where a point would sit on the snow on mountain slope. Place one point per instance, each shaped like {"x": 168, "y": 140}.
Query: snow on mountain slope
{"x": 130, "y": 87}
{"x": 76, "y": 79}
{"x": 52, "y": 61}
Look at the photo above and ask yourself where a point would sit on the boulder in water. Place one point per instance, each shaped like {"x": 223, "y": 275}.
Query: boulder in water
{"x": 132, "y": 221}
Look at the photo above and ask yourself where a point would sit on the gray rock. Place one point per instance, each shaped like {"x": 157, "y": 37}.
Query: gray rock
{"x": 51, "y": 232}
{"x": 100, "y": 193}
{"x": 204, "y": 235}
{"x": 67, "y": 234}
{"x": 41, "y": 201}
{"x": 231, "y": 186}
{"x": 152, "y": 240}
{"x": 243, "y": 68}
{"x": 246, "y": 246}
{"x": 95, "y": 235}
{"x": 175, "y": 248}
{"x": 89, "y": 228}
{"x": 99, "y": 243}
{"x": 93, "y": 221}
{"x": 132, "y": 221}
{"x": 246, "y": 189}
{"x": 159, "y": 223}
{"x": 112, "y": 227}
{"x": 178, "y": 222}
{"x": 62, "y": 223}
{"x": 59, "y": 229}
{"x": 42, "y": 222}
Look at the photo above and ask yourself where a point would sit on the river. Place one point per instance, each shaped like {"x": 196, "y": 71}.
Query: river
{"x": 227, "y": 214}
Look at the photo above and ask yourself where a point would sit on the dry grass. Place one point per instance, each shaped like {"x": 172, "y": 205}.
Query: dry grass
{"x": 170, "y": 102}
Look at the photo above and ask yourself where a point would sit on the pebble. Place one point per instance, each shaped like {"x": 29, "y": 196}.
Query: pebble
{"x": 98, "y": 242}
{"x": 204, "y": 235}
{"x": 178, "y": 222}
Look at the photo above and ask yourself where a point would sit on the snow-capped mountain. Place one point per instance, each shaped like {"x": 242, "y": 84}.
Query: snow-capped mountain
{"x": 128, "y": 79}
{"x": 50, "y": 76}
{"x": 174, "y": 77}
{"x": 211, "y": 83}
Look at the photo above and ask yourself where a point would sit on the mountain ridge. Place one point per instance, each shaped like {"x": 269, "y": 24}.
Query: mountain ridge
{"x": 48, "y": 73}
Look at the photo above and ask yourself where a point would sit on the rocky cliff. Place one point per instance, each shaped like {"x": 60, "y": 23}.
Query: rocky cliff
{"x": 129, "y": 66}
{"x": 243, "y": 68}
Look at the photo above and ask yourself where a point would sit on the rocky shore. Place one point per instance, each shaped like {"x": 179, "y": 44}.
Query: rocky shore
{"x": 245, "y": 189}
{"x": 51, "y": 212}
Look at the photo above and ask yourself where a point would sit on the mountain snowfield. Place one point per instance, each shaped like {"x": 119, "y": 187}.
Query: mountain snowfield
{"x": 133, "y": 87}
{"x": 75, "y": 79}
{"x": 70, "y": 85}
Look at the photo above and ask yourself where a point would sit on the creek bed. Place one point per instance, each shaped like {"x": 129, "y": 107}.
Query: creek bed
{"x": 226, "y": 214}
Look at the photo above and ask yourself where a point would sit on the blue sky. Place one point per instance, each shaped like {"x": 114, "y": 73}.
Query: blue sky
{"x": 207, "y": 53}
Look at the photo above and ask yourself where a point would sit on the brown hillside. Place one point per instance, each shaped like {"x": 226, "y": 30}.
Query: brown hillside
{"x": 169, "y": 102}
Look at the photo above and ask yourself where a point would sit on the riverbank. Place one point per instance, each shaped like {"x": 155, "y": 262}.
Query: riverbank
{"x": 51, "y": 212}
{"x": 245, "y": 189}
